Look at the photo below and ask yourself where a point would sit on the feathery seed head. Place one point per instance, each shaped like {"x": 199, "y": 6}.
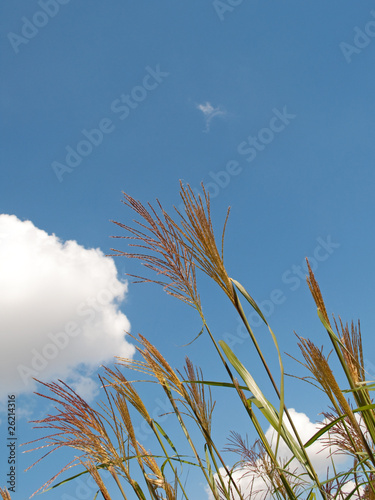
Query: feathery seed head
{"x": 174, "y": 250}
{"x": 93, "y": 471}
{"x": 352, "y": 350}
{"x": 5, "y": 495}
{"x": 77, "y": 426}
{"x": 197, "y": 228}
{"x": 199, "y": 405}
{"x": 167, "y": 255}
{"x": 316, "y": 293}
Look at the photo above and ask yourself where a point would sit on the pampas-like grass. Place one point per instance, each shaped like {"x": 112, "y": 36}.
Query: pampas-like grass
{"x": 175, "y": 249}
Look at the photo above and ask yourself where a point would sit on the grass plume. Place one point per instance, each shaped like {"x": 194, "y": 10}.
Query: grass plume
{"x": 177, "y": 249}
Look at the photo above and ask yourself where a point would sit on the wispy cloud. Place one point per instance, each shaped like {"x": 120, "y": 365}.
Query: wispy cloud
{"x": 209, "y": 113}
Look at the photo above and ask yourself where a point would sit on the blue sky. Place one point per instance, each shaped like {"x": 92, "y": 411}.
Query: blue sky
{"x": 270, "y": 105}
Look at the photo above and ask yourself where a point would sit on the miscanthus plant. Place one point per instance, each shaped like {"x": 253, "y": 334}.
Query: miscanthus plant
{"x": 105, "y": 440}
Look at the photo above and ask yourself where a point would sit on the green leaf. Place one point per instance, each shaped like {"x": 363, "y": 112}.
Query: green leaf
{"x": 194, "y": 339}
{"x": 329, "y": 329}
{"x": 362, "y": 386}
{"x": 100, "y": 466}
{"x": 216, "y": 384}
{"x": 264, "y": 405}
{"x": 249, "y": 298}
{"x": 251, "y": 301}
{"x": 139, "y": 490}
{"x": 210, "y": 474}
{"x": 328, "y": 426}
{"x": 165, "y": 435}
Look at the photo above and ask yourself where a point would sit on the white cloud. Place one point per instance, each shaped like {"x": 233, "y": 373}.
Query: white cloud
{"x": 207, "y": 109}
{"x": 209, "y": 113}
{"x": 25, "y": 411}
{"x": 306, "y": 429}
{"x": 85, "y": 387}
{"x": 318, "y": 454}
{"x": 60, "y": 307}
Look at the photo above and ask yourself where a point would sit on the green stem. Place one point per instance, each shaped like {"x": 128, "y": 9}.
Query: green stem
{"x": 366, "y": 416}
{"x": 183, "y": 427}
{"x": 212, "y": 445}
{"x": 310, "y": 469}
{"x": 267, "y": 446}
{"x": 314, "y": 476}
{"x": 167, "y": 457}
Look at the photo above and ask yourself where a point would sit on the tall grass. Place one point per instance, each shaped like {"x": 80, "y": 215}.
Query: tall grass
{"x": 176, "y": 249}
